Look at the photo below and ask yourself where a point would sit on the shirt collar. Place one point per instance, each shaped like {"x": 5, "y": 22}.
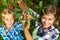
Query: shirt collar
{"x": 43, "y": 32}
{"x": 5, "y": 28}
{"x": 48, "y": 29}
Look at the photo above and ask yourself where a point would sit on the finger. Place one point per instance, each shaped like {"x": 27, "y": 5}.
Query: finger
{"x": 23, "y": 22}
{"x": 21, "y": 17}
{"x": 24, "y": 14}
{"x": 28, "y": 26}
{"x": 29, "y": 16}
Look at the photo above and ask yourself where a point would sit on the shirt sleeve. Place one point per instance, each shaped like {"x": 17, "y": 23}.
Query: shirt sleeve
{"x": 50, "y": 36}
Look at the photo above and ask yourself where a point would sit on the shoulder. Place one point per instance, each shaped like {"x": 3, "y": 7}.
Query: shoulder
{"x": 0, "y": 26}
{"x": 54, "y": 33}
{"x": 38, "y": 24}
{"x": 55, "y": 30}
{"x": 17, "y": 24}
{"x": 1, "y": 29}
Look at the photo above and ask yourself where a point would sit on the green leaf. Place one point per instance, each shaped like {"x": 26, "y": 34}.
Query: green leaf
{"x": 28, "y": 11}
{"x": 1, "y": 37}
{"x": 4, "y": 2}
{"x": 22, "y": 17}
{"x": 54, "y": 2}
{"x": 28, "y": 2}
{"x": 41, "y": 4}
{"x": 17, "y": 14}
{"x": 43, "y": 10}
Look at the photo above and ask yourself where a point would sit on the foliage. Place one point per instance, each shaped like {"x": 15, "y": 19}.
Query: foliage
{"x": 1, "y": 37}
{"x": 17, "y": 14}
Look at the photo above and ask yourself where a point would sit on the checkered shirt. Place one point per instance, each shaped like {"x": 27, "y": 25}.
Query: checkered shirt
{"x": 50, "y": 33}
{"x": 13, "y": 33}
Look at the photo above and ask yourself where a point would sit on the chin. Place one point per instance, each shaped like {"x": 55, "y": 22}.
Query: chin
{"x": 46, "y": 26}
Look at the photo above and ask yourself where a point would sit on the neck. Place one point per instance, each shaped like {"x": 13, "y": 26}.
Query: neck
{"x": 8, "y": 27}
{"x": 43, "y": 27}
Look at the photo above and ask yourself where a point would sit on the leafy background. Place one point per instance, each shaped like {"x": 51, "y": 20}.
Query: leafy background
{"x": 36, "y": 5}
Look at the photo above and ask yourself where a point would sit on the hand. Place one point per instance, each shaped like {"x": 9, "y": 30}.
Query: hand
{"x": 27, "y": 15}
{"x": 23, "y": 22}
{"x": 27, "y": 18}
{"x": 28, "y": 25}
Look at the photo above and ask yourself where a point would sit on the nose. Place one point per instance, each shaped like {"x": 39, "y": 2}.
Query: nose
{"x": 46, "y": 21}
{"x": 9, "y": 22}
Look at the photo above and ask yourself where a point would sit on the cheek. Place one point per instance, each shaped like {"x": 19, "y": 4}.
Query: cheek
{"x": 6, "y": 22}
{"x": 12, "y": 21}
{"x": 43, "y": 20}
{"x": 48, "y": 22}
{"x": 51, "y": 22}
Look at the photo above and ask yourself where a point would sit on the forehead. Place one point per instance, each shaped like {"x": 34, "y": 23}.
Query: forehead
{"x": 49, "y": 16}
{"x": 8, "y": 16}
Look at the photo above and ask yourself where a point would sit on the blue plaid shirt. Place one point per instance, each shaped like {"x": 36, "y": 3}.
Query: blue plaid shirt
{"x": 13, "y": 33}
{"x": 50, "y": 33}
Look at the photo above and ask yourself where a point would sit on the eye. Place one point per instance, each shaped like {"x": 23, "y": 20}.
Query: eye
{"x": 50, "y": 19}
{"x": 43, "y": 18}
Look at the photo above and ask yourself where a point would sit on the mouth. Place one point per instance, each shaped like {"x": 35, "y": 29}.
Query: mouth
{"x": 46, "y": 25}
{"x": 9, "y": 24}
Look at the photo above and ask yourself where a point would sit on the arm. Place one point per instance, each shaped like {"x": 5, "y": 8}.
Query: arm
{"x": 27, "y": 34}
{"x": 26, "y": 31}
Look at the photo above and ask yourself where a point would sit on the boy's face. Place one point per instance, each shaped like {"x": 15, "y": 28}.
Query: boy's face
{"x": 47, "y": 20}
{"x": 9, "y": 20}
